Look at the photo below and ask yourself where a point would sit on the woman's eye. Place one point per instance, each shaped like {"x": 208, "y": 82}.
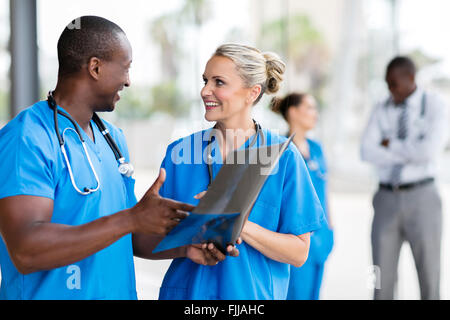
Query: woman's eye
{"x": 205, "y": 81}
{"x": 219, "y": 82}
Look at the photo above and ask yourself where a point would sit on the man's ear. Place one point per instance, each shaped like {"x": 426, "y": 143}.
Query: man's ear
{"x": 94, "y": 65}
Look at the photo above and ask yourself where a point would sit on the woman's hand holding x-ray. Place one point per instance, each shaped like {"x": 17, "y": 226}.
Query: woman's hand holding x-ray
{"x": 232, "y": 250}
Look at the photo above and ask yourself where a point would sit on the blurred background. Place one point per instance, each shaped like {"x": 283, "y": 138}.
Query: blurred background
{"x": 337, "y": 50}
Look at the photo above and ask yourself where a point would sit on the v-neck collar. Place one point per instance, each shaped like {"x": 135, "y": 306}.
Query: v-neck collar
{"x": 85, "y": 136}
{"x": 216, "y": 146}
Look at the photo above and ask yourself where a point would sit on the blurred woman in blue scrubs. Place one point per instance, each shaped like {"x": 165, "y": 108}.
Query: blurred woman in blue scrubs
{"x": 276, "y": 234}
{"x": 300, "y": 112}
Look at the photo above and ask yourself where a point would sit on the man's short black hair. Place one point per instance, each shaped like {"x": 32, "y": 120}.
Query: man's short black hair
{"x": 402, "y": 62}
{"x": 84, "y": 38}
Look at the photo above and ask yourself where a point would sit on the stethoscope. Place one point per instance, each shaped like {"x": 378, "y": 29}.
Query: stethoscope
{"x": 125, "y": 168}
{"x": 313, "y": 166}
{"x": 209, "y": 156}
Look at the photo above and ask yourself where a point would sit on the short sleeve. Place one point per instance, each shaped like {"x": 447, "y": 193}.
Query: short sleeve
{"x": 163, "y": 189}
{"x": 27, "y": 164}
{"x": 168, "y": 165}
{"x": 301, "y": 211}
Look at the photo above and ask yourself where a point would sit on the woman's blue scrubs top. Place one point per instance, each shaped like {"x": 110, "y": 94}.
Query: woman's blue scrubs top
{"x": 322, "y": 239}
{"x": 33, "y": 164}
{"x": 287, "y": 204}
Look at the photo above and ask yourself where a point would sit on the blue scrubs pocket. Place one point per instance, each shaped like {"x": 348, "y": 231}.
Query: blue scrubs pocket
{"x": 265, "y": 215}
{"x": 129, "y": 183}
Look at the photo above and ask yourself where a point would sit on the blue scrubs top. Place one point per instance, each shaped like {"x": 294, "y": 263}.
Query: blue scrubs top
{"x": 322, "y": 239}
{"x": 33, "y": 164}
{"x": 305, "y": 282}
{"x": 287, "y": 204}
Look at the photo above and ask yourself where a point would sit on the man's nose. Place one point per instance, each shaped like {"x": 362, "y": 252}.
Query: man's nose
{"x": 127, "y": 82}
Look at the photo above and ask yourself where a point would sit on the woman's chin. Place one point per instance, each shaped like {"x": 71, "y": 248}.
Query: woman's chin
{"x": 210, "y": 117}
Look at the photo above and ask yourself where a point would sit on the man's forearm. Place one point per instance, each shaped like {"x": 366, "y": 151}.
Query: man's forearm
{"x": 143, "y": 245}
{"x": 379, "y": 155}
{"x": 49, "y": 245}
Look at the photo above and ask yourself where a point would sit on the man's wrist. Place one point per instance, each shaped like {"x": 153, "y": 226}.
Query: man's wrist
{"x": 128, "y": 220}
{"x": 183, "y": 251}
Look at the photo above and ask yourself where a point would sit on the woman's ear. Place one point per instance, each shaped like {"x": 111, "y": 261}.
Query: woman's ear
{"x": 255, "y": 91}
{"x": 291, "y": 112}
{"x": 94, "y": 65}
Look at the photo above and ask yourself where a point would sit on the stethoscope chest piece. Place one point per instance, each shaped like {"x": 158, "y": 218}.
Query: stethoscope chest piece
{"x": 313, "y": 165}
{"x": 126, "y": 169}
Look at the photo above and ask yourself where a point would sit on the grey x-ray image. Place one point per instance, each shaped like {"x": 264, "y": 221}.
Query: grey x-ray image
{"x": 223, "y": 210}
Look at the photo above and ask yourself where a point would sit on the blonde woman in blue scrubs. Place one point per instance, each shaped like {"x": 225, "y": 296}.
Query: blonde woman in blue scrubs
{"x": 277, "y": 232}
{"x": 300, "y": 112}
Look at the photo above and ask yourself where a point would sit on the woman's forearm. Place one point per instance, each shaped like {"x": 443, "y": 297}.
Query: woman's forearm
{"x": 286, "y": 248}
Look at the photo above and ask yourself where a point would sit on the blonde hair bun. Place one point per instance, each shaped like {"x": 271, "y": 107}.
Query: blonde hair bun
{"x": 275, "y": 69}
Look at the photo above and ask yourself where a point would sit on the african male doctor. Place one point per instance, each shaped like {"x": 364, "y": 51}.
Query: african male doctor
{"x": 404, "y": 137}
{"x": 69, "y": 220}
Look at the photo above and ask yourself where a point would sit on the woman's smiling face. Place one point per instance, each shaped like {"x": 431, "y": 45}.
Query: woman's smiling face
{"x": 224, "y": 94}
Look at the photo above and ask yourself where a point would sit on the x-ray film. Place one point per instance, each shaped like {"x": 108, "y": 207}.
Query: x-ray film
{"x": 223, "y": 210}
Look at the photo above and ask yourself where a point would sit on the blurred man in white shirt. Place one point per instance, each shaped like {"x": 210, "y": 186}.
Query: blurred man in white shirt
{"x": 404, "y": 137}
